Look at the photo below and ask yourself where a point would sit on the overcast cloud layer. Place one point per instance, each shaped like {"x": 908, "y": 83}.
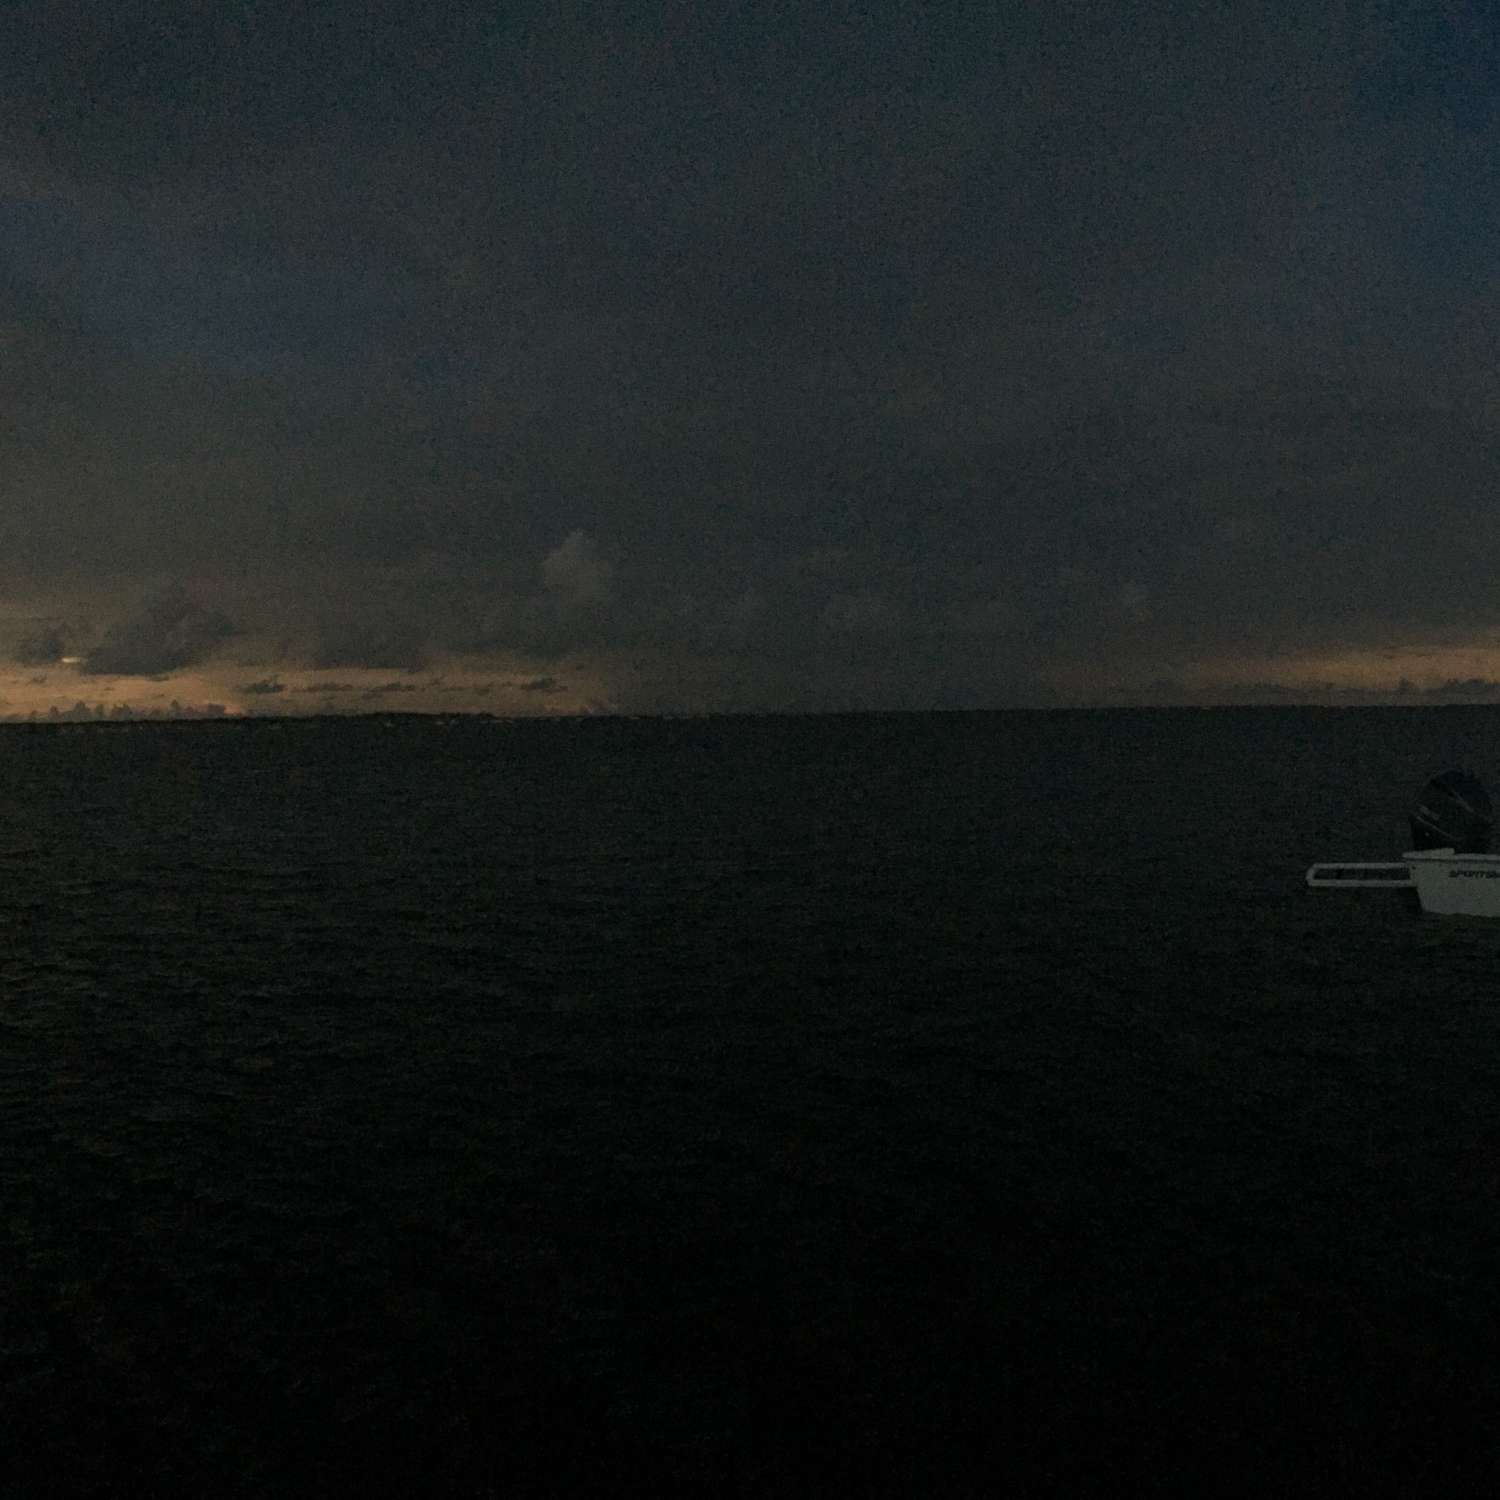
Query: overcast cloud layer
{"x": 659, "y": 357}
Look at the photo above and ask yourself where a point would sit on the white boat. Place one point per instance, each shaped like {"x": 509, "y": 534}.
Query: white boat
{"x": 1456, "y": 878}
{"x": 1447, "y": 884}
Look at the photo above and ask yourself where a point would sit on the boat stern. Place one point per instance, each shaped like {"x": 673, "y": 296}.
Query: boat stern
{"x": 1455, "y": 885}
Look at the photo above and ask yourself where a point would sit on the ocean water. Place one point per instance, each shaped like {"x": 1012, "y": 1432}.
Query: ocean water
{"x": 753, "y": 1106}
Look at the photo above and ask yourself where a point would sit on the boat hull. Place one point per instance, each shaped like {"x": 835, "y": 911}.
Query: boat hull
{"x": 1455, "y": 885}
{"x": 1445, "y": 883}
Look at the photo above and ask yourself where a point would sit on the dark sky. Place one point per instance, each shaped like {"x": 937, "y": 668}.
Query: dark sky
{"x": 674, "y": 356}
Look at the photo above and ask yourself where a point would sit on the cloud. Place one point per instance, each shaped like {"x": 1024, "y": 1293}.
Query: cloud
{"x": 937, "y": 367}
{"x": 168, "y": 633}
{"x": 265, "y": 686}
{"x": 575, "y": 572}
{"x": 391, "y": 643}
{"x": 43, "y": 647}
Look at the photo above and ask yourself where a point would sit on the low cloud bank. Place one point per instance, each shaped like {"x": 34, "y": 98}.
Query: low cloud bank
{"x": 166, "y": 634}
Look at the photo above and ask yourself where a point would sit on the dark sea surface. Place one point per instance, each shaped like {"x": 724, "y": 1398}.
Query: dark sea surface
{"x": 928, "y": 1104}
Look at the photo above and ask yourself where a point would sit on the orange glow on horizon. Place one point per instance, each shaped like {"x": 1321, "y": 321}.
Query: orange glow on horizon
{"x": 62, "y": 690}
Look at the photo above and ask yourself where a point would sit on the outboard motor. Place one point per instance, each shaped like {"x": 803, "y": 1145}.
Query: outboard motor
{"x": 1454, "y": 813}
